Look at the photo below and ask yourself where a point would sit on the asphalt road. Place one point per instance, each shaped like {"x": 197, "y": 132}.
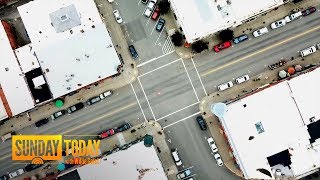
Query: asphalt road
{"x": 166, "y": 94}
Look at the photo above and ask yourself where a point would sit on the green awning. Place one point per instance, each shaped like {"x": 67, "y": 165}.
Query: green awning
{"x": 59, "y": 103}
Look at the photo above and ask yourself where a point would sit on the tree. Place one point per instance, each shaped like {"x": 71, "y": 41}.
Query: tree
{"x": 177, "y": 38}
{"x": 164, "y": 6}
{"x": 199, "y": 46}
{"x": 226, "y": 35}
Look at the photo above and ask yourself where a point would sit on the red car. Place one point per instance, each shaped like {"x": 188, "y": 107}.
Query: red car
{"x": 308, "y": 11}
{"x": 222, "y": 46}
{"x": 107, "y": 133}
{"x": 155, "y": 14}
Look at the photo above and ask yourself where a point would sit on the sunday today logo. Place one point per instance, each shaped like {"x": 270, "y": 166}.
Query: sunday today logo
{"x": 40, "y": 148}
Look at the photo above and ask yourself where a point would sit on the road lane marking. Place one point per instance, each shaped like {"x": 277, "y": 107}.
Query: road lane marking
{"x": 153, "y": 59}
{"x": 194, "y": 90}
{"x": 147, "y": 99}
{"x": 144, "y": 116}
{"x": 160, "y": 67}
{"x": 204, "y": 89}
{"x": 182, "y": 120}
{"x": 259, "y": 52}
{"x": 177, "y": 111}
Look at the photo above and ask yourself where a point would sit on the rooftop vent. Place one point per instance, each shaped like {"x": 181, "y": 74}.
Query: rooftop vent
{"x": 64, "y": 17}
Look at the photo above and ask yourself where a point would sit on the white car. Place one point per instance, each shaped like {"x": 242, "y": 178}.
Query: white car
{"x": 308, "y": 51}
{"x": 117, "y": 15}
{"x": 242, "y": 79}
{"x": 176, "y": 158}
{"x": 149, "y": 9}
{"x": 277, "y": 24}
{"x": 16, "y": 173}
{"x": 225, "y": 86}
{"x": 218, "y": 159}
{"x": 106, "y": 94}
{"x": 212, "y": 145}
{"x": 260, "y": 32}
{"x": 110, "y": 1}
{"x": 293, "y": 16}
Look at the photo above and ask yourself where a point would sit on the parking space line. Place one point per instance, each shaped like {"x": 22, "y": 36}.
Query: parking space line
{"x": 135, "y": 94}
{"x": 153, "y": 59}
{"x": 167, "y": 46}
{"x": 177, "y": 111}
{"x": 190, "y": 80}
{"x": 154, "y": 27}
{"x": 182, "y": 120}
{"x": 160, "y": 67}
{"x": 159, "y": 36}
{"x": 204, "y": 89}
{"x": 164, "y": 45}
{"x": 147, "y": 100}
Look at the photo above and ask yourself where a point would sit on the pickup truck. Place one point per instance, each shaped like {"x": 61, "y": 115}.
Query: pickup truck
{"x": 184, "y": 174}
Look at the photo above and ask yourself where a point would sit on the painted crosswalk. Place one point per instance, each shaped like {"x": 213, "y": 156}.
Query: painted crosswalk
{"x": 168, "y": 46}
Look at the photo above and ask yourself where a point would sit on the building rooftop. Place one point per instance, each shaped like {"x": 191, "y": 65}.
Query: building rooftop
{"x": 71, "y": 43}
{"x": 14, "y": 87}
{"x": 27, "y": 58}
{"x": 276, "y": 128}
{"x": 199, "y": 19}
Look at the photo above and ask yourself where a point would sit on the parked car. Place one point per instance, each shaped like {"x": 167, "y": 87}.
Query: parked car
{"x": 160, "y": 24}
{"x": 58, "y": 114}
{"x": 240, "y": 39}
{"x": 278, "y": 24}
{"x": 144, "y": 1}
{"x": 217, "y": 157}
{"x": 293, "y": 16}
{"x": 117, "y": 15}
{"x": 42, "y": 122}
{"x": 110, "y": 1}
{"x": 105, "y": 94}
{"x": 242, "y": 79}
{"x": 308, "y": 51}
{"x": 184, "y": 174}
{"x": 75, "y": 107}
{"x": 31, "y": 167}
{"x": 318, "y": 46}
{"x": 94, "y": 100}
{"x": 309, "y": 11}
{"x": 4, "y": 177}
{"x": 156, "y": 14}
{"x": 149, "y": 8}
{"x": 176, "y": 158}
{"x": 260, "y": 32}
{"x": 124, "y": 127}
{"x": 212, "y": 145}
{"x": 133, "y": 52}
{"x": 222, "y": 46}
{"x": 107, "y": 133}
{"x": 202, "y": 123}
{"x": 7, "y": 136}
{"x": 225, "y": 86}
{"x": 16, "y": 173}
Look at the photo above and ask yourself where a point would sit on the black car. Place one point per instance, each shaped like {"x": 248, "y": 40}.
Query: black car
{"x": 75, "y": 107}
{"x": 124, "y": 127}
{"x": 133, "y": 52}
{"x": 309, "y": 11}
{"x": 144, "y": 1}
{"x": 160, "y": 24}
{"x": 31, "y": 167}
{"x": 4, "y": 177}
{"x": 202, "y": 123}
{"x": 42, "y": 122}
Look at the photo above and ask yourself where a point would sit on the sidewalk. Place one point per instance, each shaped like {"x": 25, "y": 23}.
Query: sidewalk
{"x": 113, "y": 144}
{"x": 235, "y": 93}
{"x": 129, "y": 74}
{"x": 246, "y": 28}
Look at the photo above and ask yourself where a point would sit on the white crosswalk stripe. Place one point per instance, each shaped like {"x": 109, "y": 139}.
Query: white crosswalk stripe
{"x": 167, "y": 46}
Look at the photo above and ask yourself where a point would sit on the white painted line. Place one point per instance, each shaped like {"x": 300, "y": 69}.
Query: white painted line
{"x": 204, "y": 89}
{"x": 164, "y": 46}
{"x": 160, "y": 67}
{"x": 182, "y": 119}
{"x": 151, "y": 60}
{"x": 190, "y": 81}
{"x": 168, "y": 46}
{"x": 144, "y": 116}
{"x": 172, "y": 45}
{"x": 177, "y": 111}
{"x": 159, "y": 36}
{"x": 147, "y": 100}
{"x": 139, "y": 2}
{"x": 154, "y": 27}
{"x": 149, "y": 18}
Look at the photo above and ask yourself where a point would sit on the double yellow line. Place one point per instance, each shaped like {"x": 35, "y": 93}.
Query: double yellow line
{"x": 260, "y": 51}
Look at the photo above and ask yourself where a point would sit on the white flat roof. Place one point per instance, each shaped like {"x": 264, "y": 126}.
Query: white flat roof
{"x": 125, "y": 165}
{"x": 283, "y": 110}
{"x": 12, "y": 80}
{"x": 72, "y": 58}
{"x": 199, "y": 19}
{"x": 26, "y": 58}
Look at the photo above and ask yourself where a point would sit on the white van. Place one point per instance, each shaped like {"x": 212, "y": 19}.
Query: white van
{"x": 176, "y": 157}
{"x": 260, "y": 32}
{"x": 7, "y": 136}
{"x": 242, "y": 79}
{"x": 308, "y": 51}
{"x": 225, "y": 86}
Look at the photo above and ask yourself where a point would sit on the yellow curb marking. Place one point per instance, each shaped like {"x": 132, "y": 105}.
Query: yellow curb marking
{"x": 259, "y": 52}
